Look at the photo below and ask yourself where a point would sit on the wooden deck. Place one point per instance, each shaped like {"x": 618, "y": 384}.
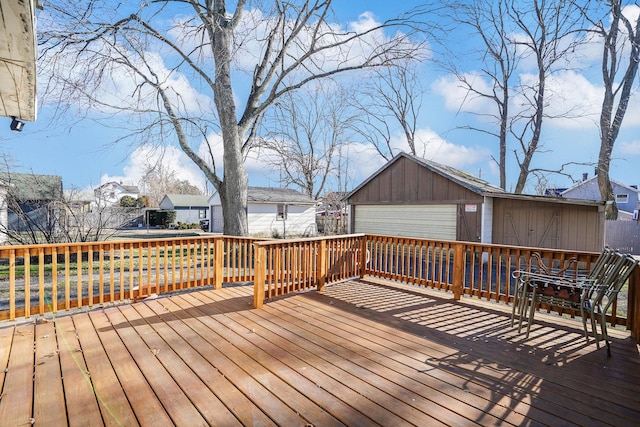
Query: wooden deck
{"x": 361, "y": 353}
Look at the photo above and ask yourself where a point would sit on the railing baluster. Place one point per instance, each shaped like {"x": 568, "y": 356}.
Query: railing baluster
{"x": 54, "y": 279}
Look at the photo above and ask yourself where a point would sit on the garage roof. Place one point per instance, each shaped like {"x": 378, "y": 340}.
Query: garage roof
{"x": 18, "y": 59}
{"x": 468, "y": 181}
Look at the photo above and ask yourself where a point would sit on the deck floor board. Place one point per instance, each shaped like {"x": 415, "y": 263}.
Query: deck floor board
{"x": 362, "y": 352}
{"x": 17, "y": 390}
{"x": 83, "y": 407}
{"x": 48, "y": 389}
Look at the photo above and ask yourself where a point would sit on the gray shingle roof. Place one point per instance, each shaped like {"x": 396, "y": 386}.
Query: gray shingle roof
{"x": 188, "y": 200}
{"x": 277, "y": 195}
{"x": 32, "y": 187}
{"x": 467, "y": 180}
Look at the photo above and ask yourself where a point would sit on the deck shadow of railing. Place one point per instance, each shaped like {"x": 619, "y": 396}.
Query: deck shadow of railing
{"x": 405, "y": 306}
{"x": 204, "y": 308}
{"x": 486, "y": 353}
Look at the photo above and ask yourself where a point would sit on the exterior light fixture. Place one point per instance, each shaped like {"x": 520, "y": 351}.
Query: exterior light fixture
{"x": 16, "y": 125}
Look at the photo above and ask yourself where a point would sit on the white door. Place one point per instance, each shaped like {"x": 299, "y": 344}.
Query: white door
{"x": 217, "y": 220}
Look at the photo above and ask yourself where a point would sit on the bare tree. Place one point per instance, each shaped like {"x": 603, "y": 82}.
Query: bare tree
{"x": 498, "y": 59}
{"x": 38, "y": 211}
{"x": 160, "y": 179}
{"x": 548, "y": 34}
{"x": 542, "y": 34}
{"x": 181, "y": 53}
{"x": 306, "y": 130}
{"x": 83, "y": 220}
{"x": 31, "y": 203}
{"x": 620, "y": 57}
{"x": 391, "y": 96}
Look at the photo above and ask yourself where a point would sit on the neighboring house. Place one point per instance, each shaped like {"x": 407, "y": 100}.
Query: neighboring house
{"x": 414, "y": 197}
{"x": 272, "y": 212}
{"x": 110, "y": 193}
{"x": 626, "y": 196}
{"x": 190, "y": 209}
{"x": 31, "y": 201}
{"x": 624, "y": 233}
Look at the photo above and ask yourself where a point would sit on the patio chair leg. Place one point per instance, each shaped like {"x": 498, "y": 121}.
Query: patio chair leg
{"x": 521, "y": 310}
{"x": 584, "y": 325}
{"x": 532, "y": 311}
{"x": 603, "y": 326}
{"x": 516, "y": 302}
{"x": 594, "y": 329}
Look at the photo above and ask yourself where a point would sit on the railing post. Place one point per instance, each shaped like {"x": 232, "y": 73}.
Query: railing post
{"x": 633, "y": 311}
{"x": 363, "y": 256}
{"x": 321, "y": 266}
{"x": 458, "y": 268}
{"x": 259, "y": 275}
{"x": 218, "y": 265}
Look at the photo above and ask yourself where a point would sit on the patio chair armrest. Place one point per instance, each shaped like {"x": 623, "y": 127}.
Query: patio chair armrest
{"x": 537, "y": 278}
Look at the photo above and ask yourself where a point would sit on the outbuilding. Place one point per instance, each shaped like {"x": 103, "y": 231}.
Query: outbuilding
{"x": 272, "y": 212}
{"x": 415, "y": 197}
{"x": 189, "y": 208}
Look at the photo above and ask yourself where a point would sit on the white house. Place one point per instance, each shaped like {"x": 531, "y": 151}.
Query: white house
{"x": 110, "y": 193}
{"x": 190, "y": 209}
{"x": 272, "y": 212}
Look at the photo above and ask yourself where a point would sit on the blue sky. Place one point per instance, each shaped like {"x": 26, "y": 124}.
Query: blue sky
{"x": 85, "y": 153}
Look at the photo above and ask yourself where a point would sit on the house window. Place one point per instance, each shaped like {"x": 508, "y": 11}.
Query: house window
{"x": 622, "y": 198}
{"x": 282, "y": 212}
{"x": 202, "y": 213}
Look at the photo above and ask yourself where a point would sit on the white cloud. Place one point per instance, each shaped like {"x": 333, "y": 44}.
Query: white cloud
{"x": 364, "y": 160}
{"x": 171, "y": 157}
{"x": 630, "y": 147}
{"x": 572, "y": 101}
{"x": 458, "y": 98}
{"x": 435, "y": 148}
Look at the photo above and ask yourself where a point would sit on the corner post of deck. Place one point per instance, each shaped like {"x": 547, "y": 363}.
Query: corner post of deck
{"x": 259, "y": 274}
{"x": 363, "y": 256}
{"x": 458, "y": 268}
{"x": 633, "y": 311}
{"x": 218, "y": 265}
{"x": 321, "y": 266}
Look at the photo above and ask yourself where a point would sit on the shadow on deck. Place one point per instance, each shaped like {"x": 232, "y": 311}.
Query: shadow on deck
{"x": 362, "y": 352}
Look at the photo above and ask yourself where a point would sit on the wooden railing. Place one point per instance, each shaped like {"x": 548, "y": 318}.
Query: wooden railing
{"x": 286, "y": 266}
{"x": 48, "y": 278}
{"x": 463, "y": 268}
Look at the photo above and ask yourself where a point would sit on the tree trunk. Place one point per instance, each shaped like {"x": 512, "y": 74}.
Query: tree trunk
{"x": 233, "y": 190}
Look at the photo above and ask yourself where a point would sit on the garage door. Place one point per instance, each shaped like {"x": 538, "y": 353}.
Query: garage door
{"x": 426, "y": 221}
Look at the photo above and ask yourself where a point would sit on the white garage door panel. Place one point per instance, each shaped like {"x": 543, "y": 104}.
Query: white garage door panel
{"x": 432, "y": 221}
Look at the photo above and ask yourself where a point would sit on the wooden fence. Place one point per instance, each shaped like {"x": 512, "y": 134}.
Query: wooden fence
{"x": 623, "y": 235}
{"x": 48, "y": 278}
